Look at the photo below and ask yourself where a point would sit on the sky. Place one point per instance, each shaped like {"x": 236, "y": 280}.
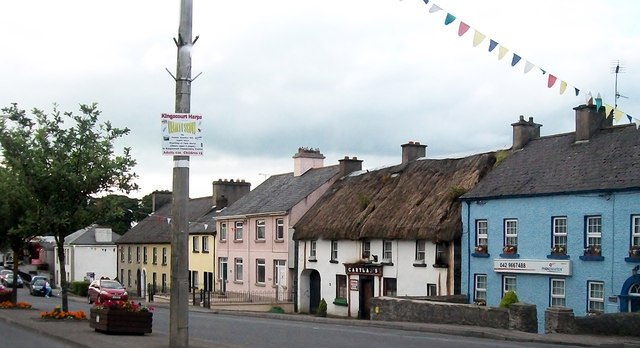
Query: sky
{"x": 348, "y": 77}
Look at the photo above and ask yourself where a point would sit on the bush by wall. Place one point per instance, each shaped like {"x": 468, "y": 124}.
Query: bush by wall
{"x": 80, "y": 288}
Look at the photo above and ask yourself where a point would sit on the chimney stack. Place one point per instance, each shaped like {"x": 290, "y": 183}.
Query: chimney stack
{"x": 412, "y": 150}
{"x": 158, "y": 199}
{"x": 306, "y": 159}
{"x": 226, "y": 192}
{"x": 589, "y": 120}
{"x": 349, "y": 165}
{"x": 523, "y": 132}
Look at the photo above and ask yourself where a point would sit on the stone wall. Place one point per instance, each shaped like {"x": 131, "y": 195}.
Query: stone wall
{"x": 562, "y": 320}
{"x": 519, "y": 316}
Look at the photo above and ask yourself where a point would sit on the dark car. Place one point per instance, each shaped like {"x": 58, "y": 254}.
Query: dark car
{"x": 38, "y": 287}
{"x": 8, "y": 280}
{"x": 105, "y": 289}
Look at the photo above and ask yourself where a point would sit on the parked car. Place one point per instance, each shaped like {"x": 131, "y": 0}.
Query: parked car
{"x": 4, "y": 273}
{"x": 102, "y": 290}
{"x": 9, "y": 279}
{"x": 36, "y": 277}
{"x": 38, "y": 287}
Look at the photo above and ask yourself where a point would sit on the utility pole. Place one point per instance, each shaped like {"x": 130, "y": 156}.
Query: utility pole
{"x": 179, "y": 304}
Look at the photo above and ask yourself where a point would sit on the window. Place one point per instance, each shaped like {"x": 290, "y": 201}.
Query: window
{"x": 279, "y": 229}
{"x": 121, "y": 254}
{"x": 334, "y": 250}
{"x": 205, "y": 244}
{"x": 195, "y": 244}
{"x": 508, "y": 283}
{"x": 279, "y": 272}
{"x": 594, "y": 231}
{"x": 390, "y": 287}
{"x": 481, "y": 232}
{"x": 387, "y": 251}
{"x": 194, "y": 279}
{"x": 164, "y": 282}
{"x": 596, "y": 297}
{"x": 366, "y": 249}
{"x": 122, "y": 276}
{"x": 261, "y": 271}
{"x": 312, "y": 250}
{"x": 223, "y": 231}
{"x": 155, "y": 255}
{"x": 164, "y": 255}
{"x": 154, "y": 280}
{"x": 432, "y": 290}
{"x": 137, "y": 254}
{"x": 129, "y": 254}
{"x": 238, "y": 269}
{"x": 420, "y": 250}
{"x": 341, "y": 286}
{"x": 557, "y": 292}
{"x": 237, "y": 235}
{"x": 144, "y": 254}
{"x": 260, "y": 230}
{"x": 129, "y": 278}
{"x": 442, "y": 253}
{"x": 511, "y": 232}
{"x": 480, "y": 288}
{"x": 559, "y": 234}
{"x": 635, "y": 230}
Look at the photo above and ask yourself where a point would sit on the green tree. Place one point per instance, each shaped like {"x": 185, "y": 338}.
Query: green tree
{"x": 16, "y": 227}
{"x": 63, "y": 166}
{"x": 116, "y": 211}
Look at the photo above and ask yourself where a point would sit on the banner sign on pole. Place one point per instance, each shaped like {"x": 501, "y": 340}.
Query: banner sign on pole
{"x": 182, "y": 135}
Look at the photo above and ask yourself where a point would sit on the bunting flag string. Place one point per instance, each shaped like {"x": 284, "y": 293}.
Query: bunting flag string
{"x": 479, "y": 37}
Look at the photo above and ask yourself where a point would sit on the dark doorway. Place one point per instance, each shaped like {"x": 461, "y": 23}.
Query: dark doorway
{"x": 366, "y": 293}
{"x": 314, "y": 291}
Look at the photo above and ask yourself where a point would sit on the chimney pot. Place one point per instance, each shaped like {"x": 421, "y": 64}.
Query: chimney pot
{"x": 523, "y": 132}
{"x": 413, "y": 150}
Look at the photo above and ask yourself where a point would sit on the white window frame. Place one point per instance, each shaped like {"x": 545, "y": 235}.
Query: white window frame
{"x": 313, "y": 249}
{"x": 155, "y": 255}
{"x": 223, "y": 231}
{"x": 559, "y": 232}
{"x": 595, "y": 295}
{"x": 511, "y": 232}
{"x": 138, "y": 254}
{"x": 421, "y": 250}
{"x": 482, "y": 229}
{"x": 635, "y": 230}
{"x": 387, "y": 251}
{"x": 334, "y": 250}
{"x": 480, "y": 287}
{"x": 593, "y": 228}
{"x": 164, "y": 255}
{"x": 238, "y": 268}
{"x": 279, "y": 229}
{"x": 195, "y": 244}
{"x": 261, "y": 271}
{"x": 238, "y": 231}
{"x": 205, "y": 244}
{"x": 144, "y": 254}
{"x": 366, "y": 249}
{"x": 261, "y": 229}
{"x": 509, "y": 282}
{"x": 557, "y": 293}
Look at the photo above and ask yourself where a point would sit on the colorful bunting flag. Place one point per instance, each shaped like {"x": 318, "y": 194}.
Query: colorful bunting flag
{"x": 478, "y": 37}
{"x": 463, "y": 28}
{"x": 434, "y": 8}
{"x": 528, "y": 66}
{"x": 515, "y": 59}
{"x": 426, "y": 2}
{"x": 502, "y": 51}
{"x": 492, "y": 45}
{"x": 577, "y": 91}
{"x": 449, "y": 19}
{"x": 617, "y": 114}
{"x": 563, "y": 87}
{"x": 598, "y": 102}
{"x": 552, "y": 81}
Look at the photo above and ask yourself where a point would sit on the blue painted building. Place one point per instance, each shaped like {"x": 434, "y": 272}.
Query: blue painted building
{"x": 558, "y": 220}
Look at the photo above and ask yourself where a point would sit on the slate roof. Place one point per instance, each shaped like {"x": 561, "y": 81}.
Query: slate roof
{"x": 87, "y": 236}
{"x": 609, "y": 161}
{"x": 415, "y": 200}
{"x": 280, "y": 193}
{"x": 155, "y": 229}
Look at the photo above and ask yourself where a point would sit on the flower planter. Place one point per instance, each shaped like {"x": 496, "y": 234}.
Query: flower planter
{"x": 120, "y": 321}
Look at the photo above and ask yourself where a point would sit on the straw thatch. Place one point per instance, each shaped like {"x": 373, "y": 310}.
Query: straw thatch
{"x": 417, "y": 200}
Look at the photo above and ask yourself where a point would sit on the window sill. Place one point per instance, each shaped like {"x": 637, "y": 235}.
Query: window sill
{"x": 312, "y": 260}
{"x": 262, "y": 285}
{"x": 238, "y": 282}
{"x": 632, "y": 259}
{"x": 223, "y": 240}
{"x": 333, "y": 261}
{"x": 591, "y": 258}
{"x": 386, "y": 263}
{"x": 419, "y": 264}
{"x": 205, "y": 251}
{"x": 195, "y": 251}
{"x": 510, "y": 256}
{"x": 558, "y": 257}
{"x": 260, "y": 241}
{"x": 237, "y": 240}
{"x": 339, "y": 301}
{"x": 480, "y": 254}
{"x": 279, "y": 241}
{"x": 440, "y": 265}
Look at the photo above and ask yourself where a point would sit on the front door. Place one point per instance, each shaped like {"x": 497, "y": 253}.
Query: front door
{"x": 634, "y": 298}
{"x": 138, "y": 286}
{"x": 366, "y": 293}
{"x": 314, "y": 291}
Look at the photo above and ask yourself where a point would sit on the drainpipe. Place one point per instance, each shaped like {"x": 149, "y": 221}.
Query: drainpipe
{"x": 467, "y": 251}
{"x": 296, "y": 248}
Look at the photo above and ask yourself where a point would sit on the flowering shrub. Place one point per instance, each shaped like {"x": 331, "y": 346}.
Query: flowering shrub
{"x": 19, "y": 305}
{"x": 481, "y": 249}
{"x": 593, "y": 250}
{"x": 634, "y": 251}
{"x": 510, "y": 249}
{"x": 559, "y": 249}
{"x": 56, "y": 313}
{"x": 128, "y": 306}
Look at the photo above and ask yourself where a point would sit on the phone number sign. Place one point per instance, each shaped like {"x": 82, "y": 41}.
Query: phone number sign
{"x": 554, "y": 267}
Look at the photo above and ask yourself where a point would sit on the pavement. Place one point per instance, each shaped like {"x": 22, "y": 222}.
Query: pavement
{"x": 77, "y": 333}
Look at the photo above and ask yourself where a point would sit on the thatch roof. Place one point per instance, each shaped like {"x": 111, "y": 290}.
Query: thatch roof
{"x": 417, "y": 200}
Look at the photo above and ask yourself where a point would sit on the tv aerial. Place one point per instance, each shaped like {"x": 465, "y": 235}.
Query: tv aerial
{"x": 618, "y": 69}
